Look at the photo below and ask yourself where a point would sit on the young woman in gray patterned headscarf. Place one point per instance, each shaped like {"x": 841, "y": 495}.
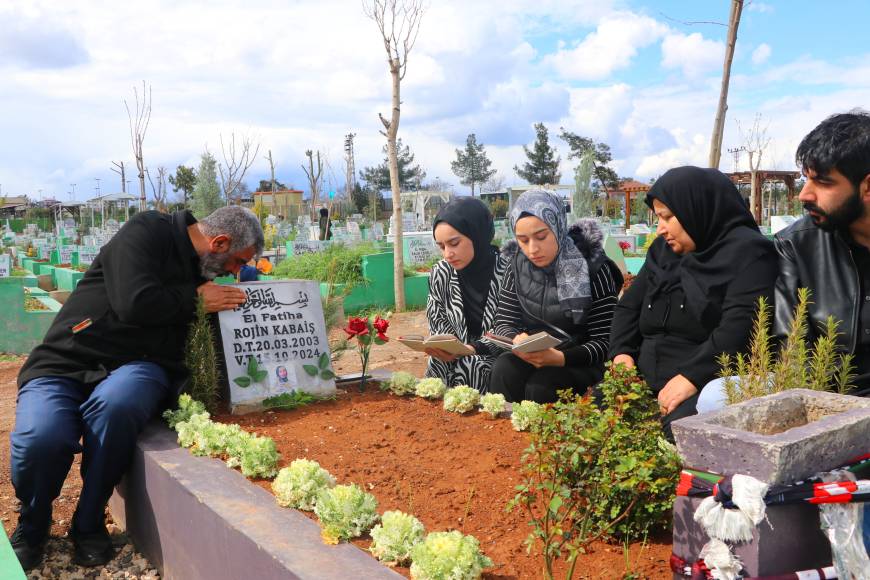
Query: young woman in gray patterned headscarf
{"x": 559, "y": 281}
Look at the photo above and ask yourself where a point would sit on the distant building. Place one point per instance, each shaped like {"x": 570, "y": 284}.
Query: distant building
{"x": 13, "y": 205}
{"x": 284, "y": 202}
{"x": 491, "y": 196}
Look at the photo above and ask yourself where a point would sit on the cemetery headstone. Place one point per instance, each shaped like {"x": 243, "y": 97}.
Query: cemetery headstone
{"x": 5, "y": 265}
{"x": 65, "y": 254}
{"x": 419, "y": 249}
{"x": 353, "y": 230}
{"x": 300, "y": 248}
{"x": 313, "y": 233}
{"x": 276, "y": 343}
{"x": 87, "y": 254}
{"x": 780, "y": 222}
{"x": 378, "y": 231}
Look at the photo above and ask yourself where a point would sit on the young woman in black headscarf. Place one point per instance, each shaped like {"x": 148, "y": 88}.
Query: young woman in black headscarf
{"x": 697, "y": 293}
{"x": 559, "y": 280}
{"x": 463, "y": 290}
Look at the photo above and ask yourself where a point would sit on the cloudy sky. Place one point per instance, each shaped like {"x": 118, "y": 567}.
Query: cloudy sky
{"x": 300, "y": 74}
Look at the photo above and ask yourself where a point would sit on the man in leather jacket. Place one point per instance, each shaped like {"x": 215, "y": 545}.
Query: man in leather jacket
{"x": 828, "y": 250}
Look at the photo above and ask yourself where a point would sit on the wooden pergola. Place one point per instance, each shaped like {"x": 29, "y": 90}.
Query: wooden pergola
{"x": 629, "y": 187}
{"x": 762, "y": 175}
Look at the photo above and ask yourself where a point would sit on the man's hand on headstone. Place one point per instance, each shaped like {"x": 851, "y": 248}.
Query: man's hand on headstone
{"x": 217, "y": 297}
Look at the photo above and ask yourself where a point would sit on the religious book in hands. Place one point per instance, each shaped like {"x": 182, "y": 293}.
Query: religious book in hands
{"x": 445, "y": 342}
{"x": 533, "y": 343}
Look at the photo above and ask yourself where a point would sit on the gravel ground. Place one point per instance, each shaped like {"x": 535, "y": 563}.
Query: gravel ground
{"x": 58, "y": 564}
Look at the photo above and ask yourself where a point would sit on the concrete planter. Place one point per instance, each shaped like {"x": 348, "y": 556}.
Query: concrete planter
{"x": 194, "y": 518}
{"x": 20, "y": 330}
{"x": 781, "y": 438}
{"x": 67, "y": 278}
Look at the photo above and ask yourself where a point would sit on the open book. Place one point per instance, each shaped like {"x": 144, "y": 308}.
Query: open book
{"x": 446, "y": 342}
{"x": 534, "y": 343}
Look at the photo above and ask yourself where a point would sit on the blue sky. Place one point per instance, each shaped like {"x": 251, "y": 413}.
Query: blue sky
{"x": 300, "y": 75}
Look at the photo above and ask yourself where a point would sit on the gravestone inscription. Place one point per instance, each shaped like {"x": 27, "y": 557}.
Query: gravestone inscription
{"x": 276, "y": 343}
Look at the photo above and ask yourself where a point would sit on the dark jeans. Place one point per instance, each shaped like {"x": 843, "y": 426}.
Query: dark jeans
{"x": 53, "y": 414}
{"x": 519, "y": 381}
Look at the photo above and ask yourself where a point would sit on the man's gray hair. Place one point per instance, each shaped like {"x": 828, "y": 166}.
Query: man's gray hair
{"x": 239, "y": 223}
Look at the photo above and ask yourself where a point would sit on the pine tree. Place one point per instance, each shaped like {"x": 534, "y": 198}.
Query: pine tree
{"x": 472, "y": 166}
{"x": 206, "y": 196}
{"x": 410, "y": 175}
{"x": 542, "y": 168}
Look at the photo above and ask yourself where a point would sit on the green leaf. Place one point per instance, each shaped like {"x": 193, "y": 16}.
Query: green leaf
{"x": 379, "y": 341}
{"x": 323, "y": 361}
{"x": 252, "y": 366}
{"x": 327, "y": 374}
{"x": 555, "y": 504}
{"x": 311, "y": 370}
{"x": 260, "y": 376}
{"x": 243, "y": 381}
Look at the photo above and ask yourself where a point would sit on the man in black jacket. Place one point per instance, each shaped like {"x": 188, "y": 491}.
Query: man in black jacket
{"x": 828, "y": 250}
{"x": 113, "y": 355}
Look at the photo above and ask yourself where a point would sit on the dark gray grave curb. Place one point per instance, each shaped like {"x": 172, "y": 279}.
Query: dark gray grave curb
{"x": 193, "y": 518}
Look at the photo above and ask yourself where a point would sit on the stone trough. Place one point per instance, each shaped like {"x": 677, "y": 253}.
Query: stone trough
{"x": 779, "y": 439}
{"x": 194, "y": 518}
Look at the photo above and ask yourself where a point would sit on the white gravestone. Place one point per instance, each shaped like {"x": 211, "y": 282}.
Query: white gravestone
{"x": 313, "y": 233}
{"x": 353, "y": 231}
{"x": 378, "y": 231}
{"x": 87, "y": 254}
{"x": 65, "y": 254}
{"x": 276, "y": 342}
{"x": 5, "y": 266}
{"x": 419, "y": 249}
{"x": 302, "y": 248}
{"x": 780, "y": 222}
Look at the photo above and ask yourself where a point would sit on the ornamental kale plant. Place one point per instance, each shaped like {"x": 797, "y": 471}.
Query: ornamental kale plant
{"x": 395, "y": 536}
{"x": 187, "y": 407}
{"x": 430, "y": 388}
{"x": 297, "y": 486}
{"x": 594, "y": 473}
{"x": 401, "y": 383}
{"x": 492, "y": 403}
{"x": 525, "y": 414}
{"x": 461, "y": 399}
{"x": 448, "y": 556}
{"x": 345, "y": 512}
{"x": 255, "y": 456}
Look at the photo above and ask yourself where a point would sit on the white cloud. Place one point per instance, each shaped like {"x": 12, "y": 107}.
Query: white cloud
{"x": 761, "y": 7}
{"x": 692, "y": 53}
{"x": 611, "y": 47}
{"x": 761, "y": 54}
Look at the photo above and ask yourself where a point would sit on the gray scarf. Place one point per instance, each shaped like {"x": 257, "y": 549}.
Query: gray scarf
{"x": 572, "y": 270}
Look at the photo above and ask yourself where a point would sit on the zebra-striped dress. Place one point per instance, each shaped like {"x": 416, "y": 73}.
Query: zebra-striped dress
{"x": 446, "y": 316}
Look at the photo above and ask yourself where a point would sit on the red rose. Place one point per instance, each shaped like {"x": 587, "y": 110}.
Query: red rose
{"x": 381, "y": 325}
{"x": 356, "y": 327}
{"x": 624, "y": 245}
{"x": 383, "y": 337}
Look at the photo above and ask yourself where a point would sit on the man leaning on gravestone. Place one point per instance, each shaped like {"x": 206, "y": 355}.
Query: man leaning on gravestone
{"x": 111, "y": 359}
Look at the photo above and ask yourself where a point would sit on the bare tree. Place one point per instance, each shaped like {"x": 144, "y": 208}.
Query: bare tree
{"x": 272, "y": 170}
{"x": 138, "y": 128}
{"x": 314, "y": 171}
{"x": 755, "y": 141}
{"x": 399, "y": 23}
{"x": 159, "y": 191}
{"x": 719, "y": 122}
{"x": 237, "y": 159}
{"x": 119, "y": 169}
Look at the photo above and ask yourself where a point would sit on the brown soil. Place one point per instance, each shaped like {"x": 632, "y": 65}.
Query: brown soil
{"x": 451, "y": 471}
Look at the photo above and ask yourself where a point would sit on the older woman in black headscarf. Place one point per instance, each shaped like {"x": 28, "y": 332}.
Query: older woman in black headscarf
{"x": 559, "y": 281}
{"x": 697, "y": 293}
{"x": 463, "y": 290}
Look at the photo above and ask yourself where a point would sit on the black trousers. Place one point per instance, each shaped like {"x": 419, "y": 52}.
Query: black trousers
{"x": 519, "y": 381}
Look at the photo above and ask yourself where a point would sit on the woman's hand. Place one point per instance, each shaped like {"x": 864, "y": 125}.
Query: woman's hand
{"x": 520, "y": 336}
{"x": 441, "y": 355}
{"x": 624, "y": 359}
{"x": 677, "y": 390}
{"x": 543, "y": 358}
